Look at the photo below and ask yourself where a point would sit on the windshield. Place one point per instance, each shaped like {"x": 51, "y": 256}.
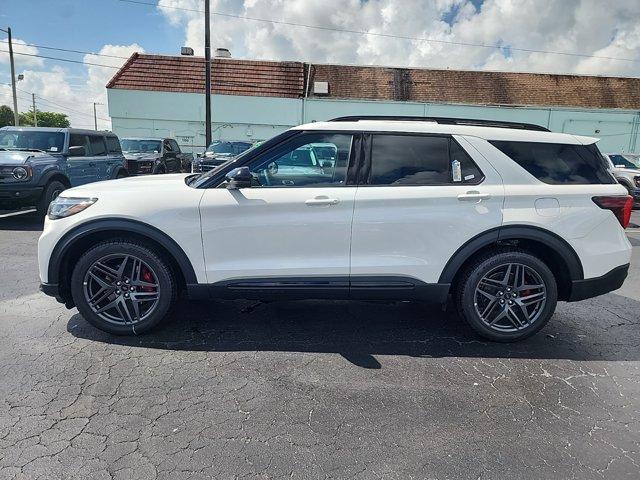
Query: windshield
{"x": 140, "y": 146}
{"x": 228, "y": 148}
{"x": 30, "y": 140}
{"x": 624, "y": 161}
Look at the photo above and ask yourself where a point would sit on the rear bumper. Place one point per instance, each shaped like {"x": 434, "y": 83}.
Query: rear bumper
{"x": 12, "y": 196}
{"x": 592, "y": 287}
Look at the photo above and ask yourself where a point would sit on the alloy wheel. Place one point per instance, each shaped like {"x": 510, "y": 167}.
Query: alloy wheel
{"x": 510, "y": 297}
{"x": 121, "y": 289}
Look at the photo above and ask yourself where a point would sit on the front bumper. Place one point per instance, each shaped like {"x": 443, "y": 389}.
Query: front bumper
{"x": 53, "y": 290}
{"x": 592, "y": 287}
{"x": 13, "y": 196}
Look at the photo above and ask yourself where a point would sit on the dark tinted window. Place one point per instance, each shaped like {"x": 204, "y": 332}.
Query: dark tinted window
{"x": 167, "y": 146}
{"x": 557, "y": 163}
{"x": 113, "y": 145}
{"x": 174, "y": 146}
{"x": 97, "y": 145}
{"x": 409, "y": 160}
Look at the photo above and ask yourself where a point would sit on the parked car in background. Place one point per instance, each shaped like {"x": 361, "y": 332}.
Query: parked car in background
{"x": 38, "y": 163}
{"x": 504, "y": 219}
{"x": 154, "y": 156}
{"x": 626, "y": 168}
{"x": 218, "y": 153}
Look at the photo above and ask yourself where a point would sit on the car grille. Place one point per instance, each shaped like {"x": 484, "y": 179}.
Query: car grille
{"x": 135, "y": 167}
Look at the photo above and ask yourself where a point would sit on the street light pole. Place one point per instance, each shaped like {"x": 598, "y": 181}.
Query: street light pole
{"x": 16, "y": 119}
{"x": 207, "y": 75}
{"x": 95, "y": 115}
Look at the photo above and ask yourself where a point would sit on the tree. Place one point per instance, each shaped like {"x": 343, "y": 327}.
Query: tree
{"x": 6, "y": 116}
{"x": 45, "y": 119}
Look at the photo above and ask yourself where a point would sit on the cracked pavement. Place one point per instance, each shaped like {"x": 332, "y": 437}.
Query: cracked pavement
{"x": 313, "y": 389}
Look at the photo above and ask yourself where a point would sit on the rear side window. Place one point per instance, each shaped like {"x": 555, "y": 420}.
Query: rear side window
{"x": 557, "y": 163}
{"x": 420, "y": 160}
{"x": 113, "y": 145}
{"x": 97, "y": 145}
{"x": 174, "y": 146}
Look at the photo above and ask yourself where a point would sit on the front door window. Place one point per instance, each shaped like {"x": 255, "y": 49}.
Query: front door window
{"x": 312, "y": 160}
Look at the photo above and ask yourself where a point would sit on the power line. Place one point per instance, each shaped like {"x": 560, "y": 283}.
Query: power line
{"x": 45, "y": 47}
{"x": 60, "y": 106}
{"x": 60, "y": 59}
{"x": 385, "y": 35}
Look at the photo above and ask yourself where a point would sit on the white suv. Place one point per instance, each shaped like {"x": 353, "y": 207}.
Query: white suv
{"x": 506, "y": 219}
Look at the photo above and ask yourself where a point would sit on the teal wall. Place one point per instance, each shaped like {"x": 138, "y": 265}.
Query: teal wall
{"x": 181, "y": 115}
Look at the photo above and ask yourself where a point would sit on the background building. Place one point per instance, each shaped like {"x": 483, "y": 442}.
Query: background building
{"x": 159, "y": 96}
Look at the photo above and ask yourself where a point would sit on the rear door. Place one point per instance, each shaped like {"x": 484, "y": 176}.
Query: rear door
{"x": 81, "y": 170}
{"x": 99, "y": 157}
{"x": 420, "y": 198}
{"x": 114, "y": 152}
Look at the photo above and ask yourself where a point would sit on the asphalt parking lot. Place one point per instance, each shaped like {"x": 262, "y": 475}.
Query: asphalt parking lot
{"x": 313, "y": 389}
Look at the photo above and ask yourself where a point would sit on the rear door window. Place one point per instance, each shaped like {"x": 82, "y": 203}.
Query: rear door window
{"x": 418, "y": 160}
{"x": 98, "y": 147}
{"x": 557, "y": 163}
{"x": 113, "y": 145}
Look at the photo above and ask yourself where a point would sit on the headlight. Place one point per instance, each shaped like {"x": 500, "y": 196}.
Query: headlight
{"x": 637, "y": 180}
{"x": 63, "y": 207}
{"x": 21, "y": 173}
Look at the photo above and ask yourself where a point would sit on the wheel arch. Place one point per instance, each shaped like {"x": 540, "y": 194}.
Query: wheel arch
{"x": 556, "y": 252}
{"x": 55, "y": 175}
{"x": 75, "y": 242}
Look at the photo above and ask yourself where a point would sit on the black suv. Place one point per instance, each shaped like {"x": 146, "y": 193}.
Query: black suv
{"x": 154, "y": 155}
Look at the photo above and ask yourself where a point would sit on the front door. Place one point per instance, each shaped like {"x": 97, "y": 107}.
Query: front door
{"x": 81, "y": 170}
{"x": 422, "y": 198}
{"x": 293, "y": 227}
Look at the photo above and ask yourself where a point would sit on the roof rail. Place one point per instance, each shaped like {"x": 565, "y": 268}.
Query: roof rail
{"x": 445, "y": 121}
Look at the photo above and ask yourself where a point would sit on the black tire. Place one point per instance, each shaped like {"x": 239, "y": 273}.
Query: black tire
{"x": 49, "y": 193}
{"x": 160, "y": 170}
{"x": 121, "y": 174}
{"x": 158, "y": 267}
{"x": 472, "y": 303}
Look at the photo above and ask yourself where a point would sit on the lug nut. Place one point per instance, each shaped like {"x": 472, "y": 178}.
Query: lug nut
{"x": 501, "y": 302}
{"x": 510, "y": 302}
{"x": 499, "y": 294}
{"x": 117, "y": 292}
{"x": 126, "y": 281}
{"x": 118, "y": 283}
{"x": 126, "y": 295}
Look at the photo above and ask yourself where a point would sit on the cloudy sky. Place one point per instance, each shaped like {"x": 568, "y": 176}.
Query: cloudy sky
{"x": 588, "y": 37}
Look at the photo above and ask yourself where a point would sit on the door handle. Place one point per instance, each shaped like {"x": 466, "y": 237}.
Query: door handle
{"x": 321, "y": 201}
{"x": 473, "y": 196}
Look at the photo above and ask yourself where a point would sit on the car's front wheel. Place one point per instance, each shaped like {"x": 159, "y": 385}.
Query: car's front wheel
{"x": 507, "y": 295}
{"x": 123, "y": 287}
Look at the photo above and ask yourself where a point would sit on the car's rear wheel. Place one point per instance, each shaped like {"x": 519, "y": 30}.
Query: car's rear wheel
{"x": 507, "y": 295}
{"x": 49, "y": 194}
{"x": 123, "y": 287}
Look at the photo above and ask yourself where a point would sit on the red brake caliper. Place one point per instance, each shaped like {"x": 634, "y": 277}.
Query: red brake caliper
{"x": 147, "y": 276}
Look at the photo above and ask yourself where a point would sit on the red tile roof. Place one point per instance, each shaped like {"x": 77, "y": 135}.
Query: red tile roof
{"x": 229, "y": 76}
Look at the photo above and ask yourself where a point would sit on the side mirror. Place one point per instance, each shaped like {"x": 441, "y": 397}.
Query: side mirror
{"x": 239, "y": 178}
{"x": 77, "y": 151}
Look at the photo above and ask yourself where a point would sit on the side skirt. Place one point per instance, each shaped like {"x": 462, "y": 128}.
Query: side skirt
{"x": 330, "y": 288}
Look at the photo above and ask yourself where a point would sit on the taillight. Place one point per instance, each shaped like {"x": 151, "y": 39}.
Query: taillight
{"x": 621, "y": 207}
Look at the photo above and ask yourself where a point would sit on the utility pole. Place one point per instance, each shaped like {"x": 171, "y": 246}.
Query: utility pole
{"x": 16, "y": 118}
{"x": 35, "y": 112}
{"x": 95, "y": 115}
{"x": 207, "y": 76}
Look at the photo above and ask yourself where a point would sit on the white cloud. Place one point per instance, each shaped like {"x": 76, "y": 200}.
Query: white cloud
{"x": 591, "y": 27}
{"x": 57, "y": 89}
{"x": 20, "y": 61}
